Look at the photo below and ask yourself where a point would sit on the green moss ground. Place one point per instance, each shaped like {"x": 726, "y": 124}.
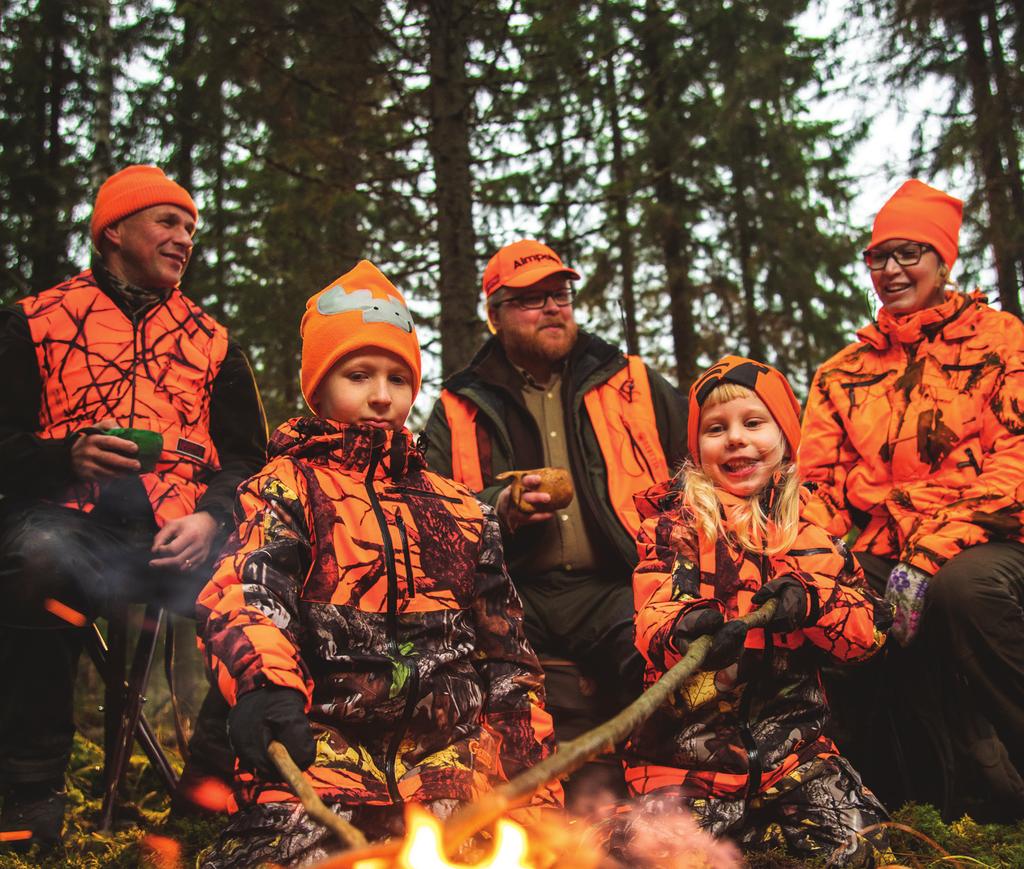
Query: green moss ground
{"x": 146, "y": 813}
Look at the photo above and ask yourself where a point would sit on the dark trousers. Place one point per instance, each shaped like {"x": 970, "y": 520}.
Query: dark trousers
{"x": 50, "y": 553}
{"x": 942, "y": 720}
{"x": 585, "y": 619}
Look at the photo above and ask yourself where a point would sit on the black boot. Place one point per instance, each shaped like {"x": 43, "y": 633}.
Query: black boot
{"x": 33, "y": 813}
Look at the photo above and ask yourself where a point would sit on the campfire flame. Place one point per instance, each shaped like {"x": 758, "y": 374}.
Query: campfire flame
{"x": 423, "y": 847}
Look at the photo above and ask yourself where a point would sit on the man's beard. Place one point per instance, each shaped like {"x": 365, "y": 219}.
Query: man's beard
{"x": 524, "y": 348}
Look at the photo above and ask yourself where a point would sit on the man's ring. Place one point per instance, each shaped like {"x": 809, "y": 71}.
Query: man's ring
{"x": 188, "y": 563}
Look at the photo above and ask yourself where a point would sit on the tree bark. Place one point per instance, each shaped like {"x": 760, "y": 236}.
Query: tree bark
{"x": 50, "y": 237}
{"x": 620, "y": 206}
{"x": 990, "y": 158}
{"x": 667, "y": 210}
{"x": 102, "y": 163}
{"x": 451, "y": 99}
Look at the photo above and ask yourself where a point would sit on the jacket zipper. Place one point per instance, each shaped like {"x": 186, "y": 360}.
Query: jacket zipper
{"x": 971, "y": 462}
{"x": 135, "y": 366}
{"x": 410, "y": 584}
{"x": 418, "y": 493}
{"x": 754, "y": 767}
{"x": 412, "y": 683}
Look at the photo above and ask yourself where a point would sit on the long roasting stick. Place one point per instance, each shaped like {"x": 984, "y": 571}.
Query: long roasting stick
{"x": 569, "y": 757}
{"x": 350, "y": 836}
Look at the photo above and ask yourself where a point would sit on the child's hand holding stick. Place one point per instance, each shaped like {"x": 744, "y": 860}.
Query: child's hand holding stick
{"x": 473, "y": 817}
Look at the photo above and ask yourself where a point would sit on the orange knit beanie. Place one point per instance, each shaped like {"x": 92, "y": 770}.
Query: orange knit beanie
{"x": 917, "y": 212}
{"x": 133, "y": 189}
{"x": 769, "y": 384}
{"x": 360, "y": 309}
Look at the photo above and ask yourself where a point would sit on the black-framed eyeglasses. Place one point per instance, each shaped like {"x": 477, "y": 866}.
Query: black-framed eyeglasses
{"x": 907, "y": 254}
{"x": 532, "y": 301}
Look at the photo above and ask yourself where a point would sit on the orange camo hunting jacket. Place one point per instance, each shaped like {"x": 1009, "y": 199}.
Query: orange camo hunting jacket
{"x": 917, "y": 430}
{"x": 739, "y": 731}
{"x": 377, "y": 589}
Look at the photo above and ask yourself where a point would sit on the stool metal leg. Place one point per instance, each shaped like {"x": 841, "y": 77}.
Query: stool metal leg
{"x": 131, "y": 710}
{"x": 96, "y": 645}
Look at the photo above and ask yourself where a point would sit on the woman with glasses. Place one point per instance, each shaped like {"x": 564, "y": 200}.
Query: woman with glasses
{"x": 914, "y": 436}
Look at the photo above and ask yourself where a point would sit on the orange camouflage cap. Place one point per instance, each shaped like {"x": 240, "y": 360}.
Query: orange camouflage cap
{"x": 521, "y": 264}
{"x": 766, "y": 382}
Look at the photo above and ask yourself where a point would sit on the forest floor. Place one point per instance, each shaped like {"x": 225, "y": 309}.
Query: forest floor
{"x": 145, "y": 834}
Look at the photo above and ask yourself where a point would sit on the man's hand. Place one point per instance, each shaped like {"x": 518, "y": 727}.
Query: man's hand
{"x": 512, "y": 518}
{"x": 97, "y": 457}
{"x": 184, "y": 543}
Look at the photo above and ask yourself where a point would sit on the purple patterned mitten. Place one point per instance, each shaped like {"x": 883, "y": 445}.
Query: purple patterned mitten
{"x": 905, "y": 590}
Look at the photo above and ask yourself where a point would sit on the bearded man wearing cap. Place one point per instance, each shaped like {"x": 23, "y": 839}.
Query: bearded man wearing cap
{"x": 82, "y": 520}
{"x": 542, "y": 393}
{"x": 914, "y": 438}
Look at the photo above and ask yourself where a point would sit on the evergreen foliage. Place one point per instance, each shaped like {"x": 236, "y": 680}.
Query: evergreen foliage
{"x": 668, "y": 152}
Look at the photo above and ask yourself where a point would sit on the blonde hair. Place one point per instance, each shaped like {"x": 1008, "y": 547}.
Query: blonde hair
{"x": 748, "y": 522}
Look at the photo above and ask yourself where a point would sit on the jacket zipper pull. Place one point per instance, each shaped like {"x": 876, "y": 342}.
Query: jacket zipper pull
{"x": 410, "y": 585}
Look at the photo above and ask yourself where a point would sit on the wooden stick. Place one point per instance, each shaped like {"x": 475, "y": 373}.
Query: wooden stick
{"x": 569, "y": 756}
{"x": 350, "y": 836}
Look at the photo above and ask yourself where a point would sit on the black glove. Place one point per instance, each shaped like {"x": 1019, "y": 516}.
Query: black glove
{"x": 266, "y": 714}
{"x": 699, "y": 622}
{"x": 726, "y": 645}
{"x": 727, "y": 637}
{"x": 792, "y": 610}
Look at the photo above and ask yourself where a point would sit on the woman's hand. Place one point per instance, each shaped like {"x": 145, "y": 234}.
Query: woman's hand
{"x": 905, "y": 591}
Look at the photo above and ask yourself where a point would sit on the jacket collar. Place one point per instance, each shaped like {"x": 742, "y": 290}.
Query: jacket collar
{"x": 354, "y": 448}
{"x": 493, "y": 367}
{"x": 952, "y": 319}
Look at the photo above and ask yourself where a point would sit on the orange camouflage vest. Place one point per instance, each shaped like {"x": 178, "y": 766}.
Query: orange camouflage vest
{"x": 621, "y": 410}
{"x": 154, "y": 373}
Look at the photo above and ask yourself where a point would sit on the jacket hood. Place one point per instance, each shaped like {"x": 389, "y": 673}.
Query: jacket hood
{"x": 346, "y": 446}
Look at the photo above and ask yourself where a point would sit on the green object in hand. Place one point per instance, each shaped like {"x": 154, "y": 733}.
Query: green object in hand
{"x": 150, "y": 444}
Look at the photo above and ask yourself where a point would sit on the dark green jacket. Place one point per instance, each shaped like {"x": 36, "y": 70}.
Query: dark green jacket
{"x": 511, "y": 439}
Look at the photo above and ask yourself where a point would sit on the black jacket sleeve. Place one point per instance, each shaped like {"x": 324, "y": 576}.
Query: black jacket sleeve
{"x": 238, "y": 427}
{"x": 33, "y": 467}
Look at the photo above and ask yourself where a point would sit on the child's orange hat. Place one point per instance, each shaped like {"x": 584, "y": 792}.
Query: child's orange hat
{"x": 918, "y": 212}
{"x": 769, "y": 385}
{"x": 360, "y": 309}
{"x": 131, "y": 190}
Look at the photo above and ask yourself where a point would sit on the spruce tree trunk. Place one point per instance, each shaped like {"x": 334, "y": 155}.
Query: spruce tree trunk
{"x": 184, "y": 134}
{"x": 102, "y": 163}
{"x": 50, "y": 236}
{"x": 451, "y": 100}
{"x": 666, "y": 212}
{"x": 1009, "y": 117}
{"x": 620, "y": 213}
{"x": 990, "y": 158}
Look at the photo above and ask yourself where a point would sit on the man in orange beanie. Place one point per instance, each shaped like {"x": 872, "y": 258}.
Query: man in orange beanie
{"x": 365, "y": 620}
{"x": 128, "y": 421}
{"x": 544, "y": 393}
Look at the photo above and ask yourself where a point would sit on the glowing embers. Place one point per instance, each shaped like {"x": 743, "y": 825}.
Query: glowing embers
{"x": 423, "y": 847}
